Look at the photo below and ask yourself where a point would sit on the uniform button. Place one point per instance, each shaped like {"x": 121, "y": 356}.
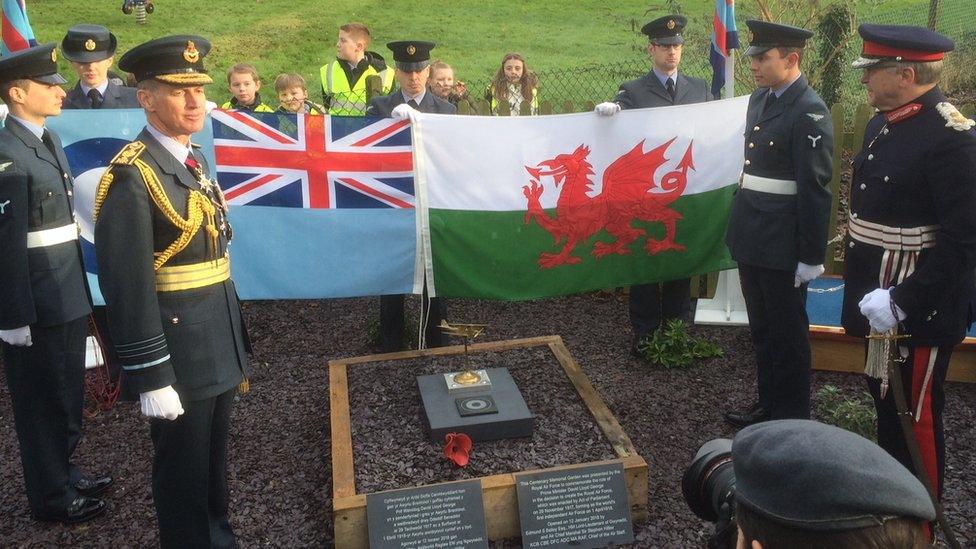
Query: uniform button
{"x": 747, "y": 162}
{"x": 175, "y": 320}
{"x": 50, "y": 193}
{"x": 863, "y": 186}
{"x": 64, "y": 174}
{"x": 851, "y": 244}
{"x": 770, "y": 143}
{"x": 752, "y": 145}
{"x": 887, "y": 179}
{"x": 870, "y": 157}
{"x": 70, "y": 194}
{"x": 756, "y": 129}
{"x": 885, "y": 131}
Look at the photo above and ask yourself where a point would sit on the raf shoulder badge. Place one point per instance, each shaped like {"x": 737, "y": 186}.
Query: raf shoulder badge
{"x": 954, "y": 118}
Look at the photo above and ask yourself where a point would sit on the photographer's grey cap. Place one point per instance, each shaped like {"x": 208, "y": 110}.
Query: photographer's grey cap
{"x": 810, "y": 476}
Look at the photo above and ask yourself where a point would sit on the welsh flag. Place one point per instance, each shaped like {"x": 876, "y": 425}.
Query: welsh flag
{"x": 531, "y": 207}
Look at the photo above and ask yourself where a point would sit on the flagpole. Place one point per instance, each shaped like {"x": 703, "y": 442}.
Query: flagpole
{"x": 730, "y": 75}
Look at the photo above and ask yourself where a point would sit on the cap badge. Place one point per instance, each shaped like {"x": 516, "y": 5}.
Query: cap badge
{"x": 671, "y": 24}
{"x": 411, "y": 49}
{"x": 191, "y": 54}
{"x": 90, "y": 45}
{"x": 54, "y": 56}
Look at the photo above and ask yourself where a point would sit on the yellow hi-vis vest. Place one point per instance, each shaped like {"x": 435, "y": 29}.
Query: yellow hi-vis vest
{"x": 346, "y": 100}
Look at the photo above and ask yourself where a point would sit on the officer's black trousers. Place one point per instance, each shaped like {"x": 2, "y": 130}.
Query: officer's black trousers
{"x": 189, "y": 480}
{"x": 392, "y": 321}
{"x": 925, "y": 396}
{"x": 47, "y": 389}
{"x": 654, "y": 304}
{"x": 779, "y": 328}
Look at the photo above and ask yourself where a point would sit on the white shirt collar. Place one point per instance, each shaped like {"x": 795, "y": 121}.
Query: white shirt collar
{"x": 175, "y": 148}
{"x": 417, "y": 99}
{"x": 101, "y": 88}
{"x": 38, "y": 131}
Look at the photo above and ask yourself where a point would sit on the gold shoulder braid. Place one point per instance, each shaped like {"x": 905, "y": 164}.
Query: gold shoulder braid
{"x": 125, "y": 157}
{"x": 198, "y": 205}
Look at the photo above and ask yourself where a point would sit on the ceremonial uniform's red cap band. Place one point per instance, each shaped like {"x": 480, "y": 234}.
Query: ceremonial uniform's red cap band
{"x": 875, "y": 50}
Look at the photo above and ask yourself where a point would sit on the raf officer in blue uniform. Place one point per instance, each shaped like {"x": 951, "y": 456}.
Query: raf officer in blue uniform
{"x": 412, "y": 59}
{"x": 911, "y": 242}
{"x": 777, "y": 230}
{"x": 44, "y": 299}
{"x": 651, "y": 305}
{"x": 91, "y": 50}
{"x": 164, "y": 269}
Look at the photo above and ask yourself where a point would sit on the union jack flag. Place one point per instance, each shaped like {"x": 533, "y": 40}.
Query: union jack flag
{"x": 304, "y": 161}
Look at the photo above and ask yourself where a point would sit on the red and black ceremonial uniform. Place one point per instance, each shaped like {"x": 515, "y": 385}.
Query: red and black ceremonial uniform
{"x": 912, "y": 226}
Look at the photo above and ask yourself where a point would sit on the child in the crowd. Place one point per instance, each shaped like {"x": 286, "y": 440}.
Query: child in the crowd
{"x": 344, "y": 78}
{"x": 243, "y": 81}
{"x": 293, "y": 95}
{"x": 515, "y": 84}
{"x": 443, "y": 84}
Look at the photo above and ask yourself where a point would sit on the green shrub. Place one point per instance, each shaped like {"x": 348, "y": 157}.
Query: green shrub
{"x": 855, "y": 414}
{"x": 671, "y": 346}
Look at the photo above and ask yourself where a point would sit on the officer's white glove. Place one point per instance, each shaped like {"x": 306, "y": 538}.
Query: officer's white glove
{"x": 805, "y": 273}
{"x": 877, "y": 307}
{"x": 608, "y": 108}
{"x": 161, "y": 403}
{"x": 209, "y": 106}
{"x": 4, "y": 111}
{"x": 404, "y": 112}
{"x": 19, "y": 337}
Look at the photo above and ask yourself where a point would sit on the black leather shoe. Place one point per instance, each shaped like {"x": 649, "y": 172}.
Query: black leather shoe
{"x": 745, "y": 418}
{"x": 93, "y": 486}
{"x": 82, "y": 509}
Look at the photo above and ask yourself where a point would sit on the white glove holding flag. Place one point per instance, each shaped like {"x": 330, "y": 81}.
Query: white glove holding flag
{"x": 805, "y": 273}
{"x": 404, "y": 112}
{"x": 161, "y": 403}
{"x": 18, "y": 337}
{"x": 607, "y": 108}
{"x": 877, "y": 307}
{"x": 4, "y": 111}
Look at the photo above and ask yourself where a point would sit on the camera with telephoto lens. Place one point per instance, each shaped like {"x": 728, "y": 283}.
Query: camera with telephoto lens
{"x": 708, "y": 486}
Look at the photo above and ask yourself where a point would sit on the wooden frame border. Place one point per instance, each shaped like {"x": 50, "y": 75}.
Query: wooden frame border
{"x": 833, "y": 351}
{"x": 501, "y": 503}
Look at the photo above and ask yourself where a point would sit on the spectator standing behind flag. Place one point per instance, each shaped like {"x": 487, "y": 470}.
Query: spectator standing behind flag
{"x": 344, "y": 79}
{"x": 243, "y": 81}
{"x": 293, "y": 95}
{"x": 91, "y": 50}
{"x": 443, "y": 84}
{"x": 652, "y": 305}
{"x": 514, "y": 83}
{"x": 412, "y": 58}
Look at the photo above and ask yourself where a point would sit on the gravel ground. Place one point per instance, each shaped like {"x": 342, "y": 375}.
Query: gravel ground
{"x": 280, "y": 447}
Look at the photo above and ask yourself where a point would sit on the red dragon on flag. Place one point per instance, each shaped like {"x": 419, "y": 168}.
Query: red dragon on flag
{"x": 629, "y": 193}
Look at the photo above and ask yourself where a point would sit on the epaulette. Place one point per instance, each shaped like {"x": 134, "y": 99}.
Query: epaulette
{"x": 954, "y": 119}
{"x": 128, "y": 155}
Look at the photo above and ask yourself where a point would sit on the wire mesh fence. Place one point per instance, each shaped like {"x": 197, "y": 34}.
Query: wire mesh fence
{"x": 954, "y": 18}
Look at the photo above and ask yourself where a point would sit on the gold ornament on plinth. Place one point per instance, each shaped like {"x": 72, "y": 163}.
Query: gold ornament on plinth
{"x": 468, "y": 332}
